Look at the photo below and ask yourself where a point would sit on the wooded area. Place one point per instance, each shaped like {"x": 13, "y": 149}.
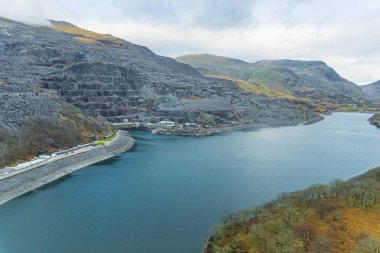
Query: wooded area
{"x": 338, "y": 217}
{"x": 40, "y": 135}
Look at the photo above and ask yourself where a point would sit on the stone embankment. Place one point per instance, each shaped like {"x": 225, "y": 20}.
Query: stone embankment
{"x": 19, "y": 184}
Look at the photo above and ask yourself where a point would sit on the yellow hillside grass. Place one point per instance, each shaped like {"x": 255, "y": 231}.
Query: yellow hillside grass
{"x": 249, "y": 87}
{"x": 90, "y": 37}
{"x": 355, "y": 224}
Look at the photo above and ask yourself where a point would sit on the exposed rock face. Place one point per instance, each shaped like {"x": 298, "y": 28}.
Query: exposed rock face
{"x": 107, "y": 76}
{"x": 372, "y": 91}
{"x": 311, "y": 79}
{"x": 20, "y": 102}
{"x": 375, "y": 120}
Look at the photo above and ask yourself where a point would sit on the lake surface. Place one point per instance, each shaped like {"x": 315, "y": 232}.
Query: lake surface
{"x": 165, "y": 195}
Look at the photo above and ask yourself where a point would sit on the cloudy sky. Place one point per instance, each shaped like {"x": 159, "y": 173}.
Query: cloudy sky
{"x": 343, "y": 33}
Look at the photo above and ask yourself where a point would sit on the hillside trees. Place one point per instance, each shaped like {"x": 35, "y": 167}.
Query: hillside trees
{"x": 40, "y": 135}
{"x": 318, "y": 219}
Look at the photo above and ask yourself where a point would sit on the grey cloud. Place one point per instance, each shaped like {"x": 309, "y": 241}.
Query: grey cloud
{"x": 23, "y": 11}
{"x": 209, "y": 14}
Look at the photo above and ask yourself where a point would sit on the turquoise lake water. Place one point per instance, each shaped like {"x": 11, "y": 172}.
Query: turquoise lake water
{"x": 165, "y": 195}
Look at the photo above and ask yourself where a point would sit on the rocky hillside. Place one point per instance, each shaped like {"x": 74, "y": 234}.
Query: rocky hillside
{"x": 308, "y": 79}
{"x": 372, "y": 91}
{"x": 107, "y": 76}
{"x": 339, "y": 217}
{"x": 35, "y": 121}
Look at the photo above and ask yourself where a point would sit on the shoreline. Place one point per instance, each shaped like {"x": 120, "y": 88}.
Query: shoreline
{"x": 29, "y": 180}
{"x": 218, "y": 130}
{"x": 242, "y": 127}
{"x": 247, "y": 126}
{"x": 15, "y": 185}
{"x": 208, "y": 246}
{"x": 206, "y": 131}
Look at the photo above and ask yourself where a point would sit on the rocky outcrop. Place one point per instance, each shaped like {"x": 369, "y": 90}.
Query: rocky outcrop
{"x": 375, "y": 120}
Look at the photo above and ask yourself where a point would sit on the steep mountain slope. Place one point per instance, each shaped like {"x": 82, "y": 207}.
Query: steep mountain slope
{"x": 107, "y": 76}
{"x": 372, "y": 91}
{"x": 310, "y": 79}
{"x": 34, "y": 121}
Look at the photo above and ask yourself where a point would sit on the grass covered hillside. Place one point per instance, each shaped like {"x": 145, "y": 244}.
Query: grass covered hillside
{"x": 306, "y": 79}
{"x": 247, "y": 86}
{"x": 213, "y": 64}
{"x": 313, "y": 75}
{"x": 343, "y": 216}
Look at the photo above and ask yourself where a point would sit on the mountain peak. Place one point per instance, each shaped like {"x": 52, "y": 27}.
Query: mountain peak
{"x": 206, "y": 57}
{"x": 293, "y": 63}
{"x": 310, "y": 79}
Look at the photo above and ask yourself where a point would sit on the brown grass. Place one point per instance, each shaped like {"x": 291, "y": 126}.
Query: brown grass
{"x": 253, "y": 88}
{"x": 355, "y": 224}
{"x": 87, "y": 40}
{"x": 86, "y": 36}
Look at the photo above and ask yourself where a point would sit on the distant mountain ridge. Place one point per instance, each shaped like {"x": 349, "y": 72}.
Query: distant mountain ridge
{"x": 310, "y": 79}
{"x": 372, "y": 91}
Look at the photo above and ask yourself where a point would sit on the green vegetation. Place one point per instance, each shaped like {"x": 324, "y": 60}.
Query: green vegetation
{"x": 338, "y": 217}
{"x": 40, "y": 135}
{"x": 276, "y": 78}
{"x": 86, "y": 125}
{"x": 272, "y": 81}
{"x": 369, "y": 244}
{"x": 348, "y": 108}
{"x": 311, "y": 80}
{"x": 359, "y": 108}
{"x": 250, "y": 87}
{"x": 213, "y": 64}
{"x": 109, "y": 138}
